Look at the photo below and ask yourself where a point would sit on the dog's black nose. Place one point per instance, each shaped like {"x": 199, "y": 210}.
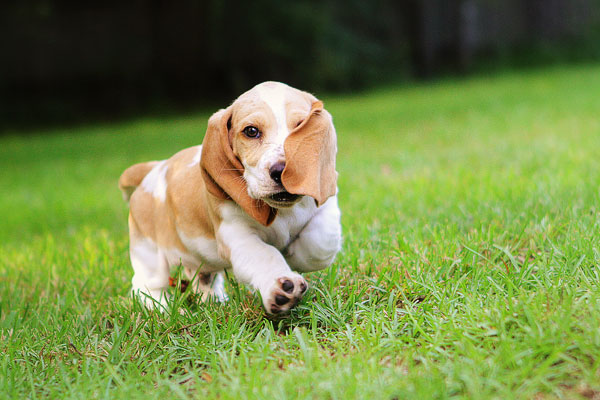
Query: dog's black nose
{"x": 276, "y": 170}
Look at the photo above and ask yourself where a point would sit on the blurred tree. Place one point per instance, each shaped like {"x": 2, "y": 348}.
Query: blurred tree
{"x": 64, "y": 60}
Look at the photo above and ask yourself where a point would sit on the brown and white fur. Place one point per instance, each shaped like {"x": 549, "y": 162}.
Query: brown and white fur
{"x": 174, "y": 220}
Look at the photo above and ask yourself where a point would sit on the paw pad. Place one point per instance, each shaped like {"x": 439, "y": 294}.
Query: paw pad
{"x": 287, "y": 286}
{"x": 303, "y": 287}
{"x": 281, "y": 300}
{"x": 285, "y": 294}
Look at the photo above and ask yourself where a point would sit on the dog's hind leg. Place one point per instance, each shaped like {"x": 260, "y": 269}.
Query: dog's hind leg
{"x": 151, "y": 272}
{"x": 207, "y": 285}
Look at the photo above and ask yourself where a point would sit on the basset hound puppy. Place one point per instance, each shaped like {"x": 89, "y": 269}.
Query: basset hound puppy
{"x": 259, "y": 197}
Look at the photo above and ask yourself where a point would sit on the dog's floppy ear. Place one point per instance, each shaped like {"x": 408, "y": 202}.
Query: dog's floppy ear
{"x": 223, "y": 172}
{"x": 310, "y": 151}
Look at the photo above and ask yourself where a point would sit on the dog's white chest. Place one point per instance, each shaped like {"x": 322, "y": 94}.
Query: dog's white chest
{"x": 284, "y": 229}
{"x": 288, "y": 224}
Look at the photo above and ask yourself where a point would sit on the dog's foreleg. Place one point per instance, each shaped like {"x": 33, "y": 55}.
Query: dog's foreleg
{"x": 262, "y": 266}
{"x": 319, "y": 241}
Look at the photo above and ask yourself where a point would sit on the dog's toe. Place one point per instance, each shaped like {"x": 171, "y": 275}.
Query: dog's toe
{"x": 281, "y": 300}
{"x": 287, "y": 286}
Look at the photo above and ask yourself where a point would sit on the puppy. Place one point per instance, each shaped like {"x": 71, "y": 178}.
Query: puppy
{"x": 259, "y": 197}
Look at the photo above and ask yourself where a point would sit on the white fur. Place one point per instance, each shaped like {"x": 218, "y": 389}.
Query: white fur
{"x": 151, "y": 265}
{"x": 151, "y": 271}
{"x": 218, "y": 288}
{"x": 274, "y": 97}
{"x": 196, "y": 161}
{"x": 258, "y": 176}
{"x": 156, "y": 181}
{"x": 319, "y": 241}
{"x": 205, "y": 251}
{"x": 309, "y": 236}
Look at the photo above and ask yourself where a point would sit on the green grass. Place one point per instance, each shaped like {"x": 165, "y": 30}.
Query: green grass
{"x": 470, "y": 265}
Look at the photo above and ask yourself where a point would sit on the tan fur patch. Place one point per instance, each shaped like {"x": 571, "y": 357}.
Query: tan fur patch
{"x": 184, "y": 207}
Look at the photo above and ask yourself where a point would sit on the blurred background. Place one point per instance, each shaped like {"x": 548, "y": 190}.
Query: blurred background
{"x": 79, "y": 61}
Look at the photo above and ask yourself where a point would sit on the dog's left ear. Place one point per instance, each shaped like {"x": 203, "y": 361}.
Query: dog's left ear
{"x": 310, "y": 151}
{"x": 223, "y": 172}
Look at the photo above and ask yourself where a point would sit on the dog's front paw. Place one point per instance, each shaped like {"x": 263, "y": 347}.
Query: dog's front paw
{"x": 284, "y": 294}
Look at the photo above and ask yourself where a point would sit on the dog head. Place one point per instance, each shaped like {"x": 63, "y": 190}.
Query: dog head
{"x": 272, "y": 146}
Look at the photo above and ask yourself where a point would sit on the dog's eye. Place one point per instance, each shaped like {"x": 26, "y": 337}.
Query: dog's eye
{"x": 251, "y": 132}
{"x": 299, "y": 122}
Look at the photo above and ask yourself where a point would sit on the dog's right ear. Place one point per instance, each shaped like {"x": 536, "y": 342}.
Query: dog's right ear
{"x": 218, "y": 163}
{"x": 223, "y": 172}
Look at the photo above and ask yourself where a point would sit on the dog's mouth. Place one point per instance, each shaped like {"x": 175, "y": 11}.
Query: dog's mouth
{"x": 283, "y": 199}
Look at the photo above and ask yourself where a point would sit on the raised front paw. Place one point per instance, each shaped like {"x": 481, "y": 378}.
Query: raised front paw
{"x": 284, "y": 294}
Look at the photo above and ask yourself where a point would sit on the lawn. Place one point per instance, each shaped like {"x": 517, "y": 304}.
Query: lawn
{"x": 470, "y": 265}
